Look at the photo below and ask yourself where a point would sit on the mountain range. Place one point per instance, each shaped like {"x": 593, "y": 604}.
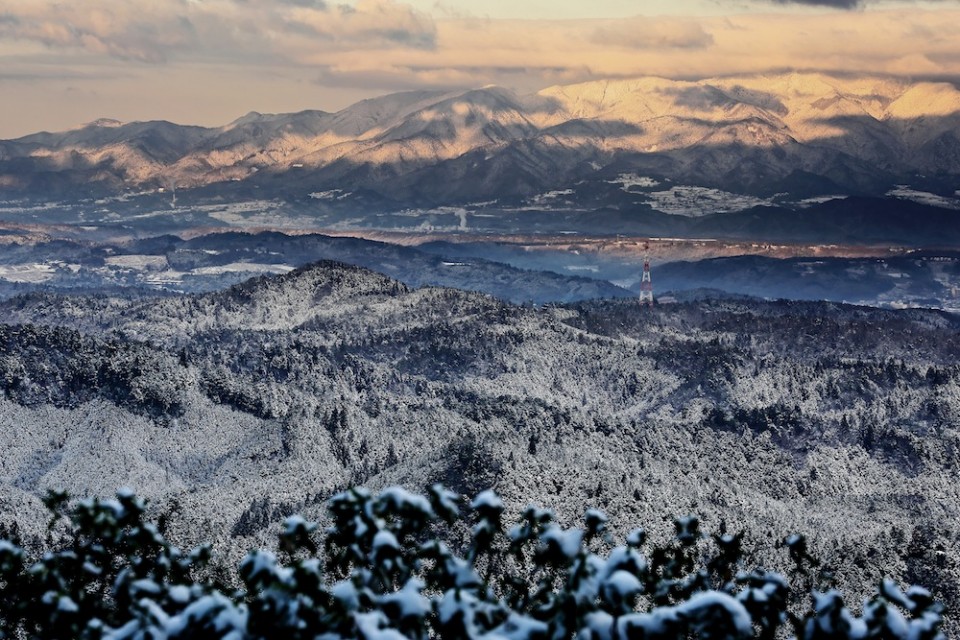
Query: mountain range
{"x": 608, "y": 143}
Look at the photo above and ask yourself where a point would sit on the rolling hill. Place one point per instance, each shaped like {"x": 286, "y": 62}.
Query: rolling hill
{"x": 231, "y": 409}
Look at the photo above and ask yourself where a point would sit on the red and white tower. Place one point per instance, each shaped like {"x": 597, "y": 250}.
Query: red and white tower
{"x": 646, "y": 285}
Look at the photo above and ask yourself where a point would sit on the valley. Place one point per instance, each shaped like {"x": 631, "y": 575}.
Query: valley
{"x": 520, "y": 268}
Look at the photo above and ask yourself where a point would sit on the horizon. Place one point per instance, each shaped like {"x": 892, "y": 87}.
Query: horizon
{"x": 207, "y": 64}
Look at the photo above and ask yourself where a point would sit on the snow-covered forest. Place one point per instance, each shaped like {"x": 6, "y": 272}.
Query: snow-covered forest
{"x": 232, "y": 410}
{"x": 389, "y": 568}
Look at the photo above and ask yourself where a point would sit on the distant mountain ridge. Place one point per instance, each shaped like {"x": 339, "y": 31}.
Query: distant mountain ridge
{"x": 209, "y": 262}
{"x": 797, "y": 133}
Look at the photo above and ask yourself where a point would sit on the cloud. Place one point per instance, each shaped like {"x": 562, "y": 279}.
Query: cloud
{"x": 211, "y": 60}
{"x": 58, "y": 75}
{"x": 407, "y": 77}
{"x": 315, "y": 4}
{"x": 529, "y": 55}
{"x": 368, "y": 23}
{"x": 155, "y": 32}
{"x": 387, "y": 43}
{"x": 116, "y": 31}
{"x": 653, "y": 33}
{"x": 839, "y": 4}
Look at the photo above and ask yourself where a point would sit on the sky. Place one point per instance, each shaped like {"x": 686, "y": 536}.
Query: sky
{"x": 208, "y": 62}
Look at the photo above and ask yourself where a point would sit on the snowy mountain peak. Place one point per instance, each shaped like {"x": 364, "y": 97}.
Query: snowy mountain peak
{"x": 104, "y": 123}
{"x": 850, "y": 134}
{"x": 252, "y": 116}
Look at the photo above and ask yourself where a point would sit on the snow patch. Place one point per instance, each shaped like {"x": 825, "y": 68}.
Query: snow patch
{"x": 138, "y": 262}
{"x": 904, "y": 192}
{"x": 701, "y": 201}
{"x": 567, "y": 542}
{"x": 487, "y": 499}
{"x": 550, "y": 196}
{"x": 629, "y": 180}
{"x": 34, "y": 272}
{"x": 242, "y": 267}
{"x": 808, "y": 202}
{"x": 332, "y": 194}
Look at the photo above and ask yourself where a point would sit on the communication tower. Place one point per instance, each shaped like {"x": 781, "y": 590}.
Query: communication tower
{"x": 646, "y": 285}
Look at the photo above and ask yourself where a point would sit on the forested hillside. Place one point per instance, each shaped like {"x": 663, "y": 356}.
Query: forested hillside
{"x": 232, "y": 410}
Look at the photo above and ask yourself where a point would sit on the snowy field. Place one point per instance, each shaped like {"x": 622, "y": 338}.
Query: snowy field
{"x": 701, "y": 201}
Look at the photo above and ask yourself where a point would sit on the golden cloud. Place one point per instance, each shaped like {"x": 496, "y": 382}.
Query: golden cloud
{"x": 271, "y": 52}
{"x": 653, "y": 33}
{"x": 382, "y": 37}
{"x": 150, "y": 31}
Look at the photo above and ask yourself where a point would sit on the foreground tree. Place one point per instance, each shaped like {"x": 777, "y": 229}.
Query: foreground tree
{"x": 382, "y": 571}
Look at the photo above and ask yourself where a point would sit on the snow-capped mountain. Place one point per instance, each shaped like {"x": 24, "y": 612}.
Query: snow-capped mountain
{"x": 798, "y": 133}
